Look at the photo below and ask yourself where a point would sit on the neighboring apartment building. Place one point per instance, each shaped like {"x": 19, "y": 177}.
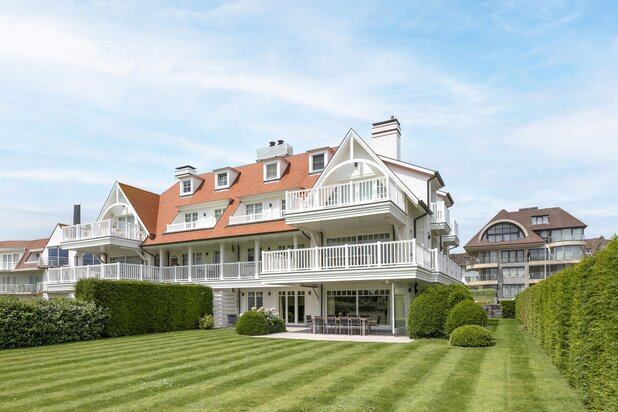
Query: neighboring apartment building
{"x": 20, "y": 272}
{"x": 352, "y": 229}
{"x": 517, "y": 249}
{"x": 595, "y": 245}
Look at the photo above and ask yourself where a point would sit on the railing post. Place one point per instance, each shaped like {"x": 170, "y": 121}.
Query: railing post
{"x": 88, "y": 272}
{"x": 379, "y": 246}
{"x": 414, "y": 252}
{"x": 141, "y": 272}
{"x": 346, "y": 253}
{"x": 316, "y": 264}
{"x": 289, "y": 259}
{"x": 118, "y": 271}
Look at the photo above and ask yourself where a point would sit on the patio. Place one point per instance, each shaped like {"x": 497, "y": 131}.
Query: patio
{"x": 304, "y": 333}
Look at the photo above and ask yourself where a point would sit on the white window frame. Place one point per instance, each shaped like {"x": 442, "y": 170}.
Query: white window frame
{"x": 277, "y": 171}
{"x": 227, "y": 180}
{"x": 311, "y": 169}
{"x": 184, "y": 192}
{"x": 252, "y": 298}
{"x": 218, "y": 212}
{"x": 251, "y": 208}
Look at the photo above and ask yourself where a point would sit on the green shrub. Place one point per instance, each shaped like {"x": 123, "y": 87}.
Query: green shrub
{"x": 206, "y": 322}
{"x": 143, "y": 307}
{"x": 465, "y": 313}
{"x": 574, "y": 315}
{"x": 252, "y": 323}
{"x": 471, "y": 336}
{"x": 484, "y": 296}
{"x": 429, "y": 310}
{"x": 508, "y": 308}
{"x": 40, "y": 322}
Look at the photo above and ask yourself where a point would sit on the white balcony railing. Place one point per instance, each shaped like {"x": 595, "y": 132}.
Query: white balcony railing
{"x": 256, "y": 217}
{"x": 103, "y": 228}
{"x": 358, "y": 256}
{"x": 168, "y": 274}
{"x": 440, "y": 212}
{"x": 17, "y": 288}
{"x": 7, "y": 265}
{"x": 344, "y": 194}
{"x": 53, "y": 261}
{"x": 198, "y": 224}
{"x": 454, "y": 228}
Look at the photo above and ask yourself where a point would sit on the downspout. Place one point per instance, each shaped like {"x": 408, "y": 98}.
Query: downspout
{"x": 426, "y": 213}
{"x": 141, "y": 246}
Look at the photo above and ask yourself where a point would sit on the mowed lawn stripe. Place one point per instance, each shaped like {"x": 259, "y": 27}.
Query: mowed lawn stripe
{"x": 381, "y": 392}
{"x": 105, "y": 383}
{"x": 323, "y": 390}
{"x": 252, "y": 368}
{"x": 262, "y": 390}
{"x": 44, "y": 370}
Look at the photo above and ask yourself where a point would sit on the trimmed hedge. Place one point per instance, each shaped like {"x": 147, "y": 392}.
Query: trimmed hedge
{"x": 471, "y": 336}
{"x": 465, "y": 313}
{"x": 252, "y": 323}
{"x": 574, "y": 315}
{"x": 508, "y": 308}
{"x": 486, "y": 296}
{"x": 38, "y": 322}
{"x": 143, "y": 307}
{"x": 429, "y": 310}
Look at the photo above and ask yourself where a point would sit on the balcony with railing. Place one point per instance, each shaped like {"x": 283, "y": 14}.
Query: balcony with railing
{"x": 256, "y": 217}
{"x": 344, "y": 194}
{"x": 358, "y": 257}
{"x": 7, "y": 265}
{"x": 208, "y": 223}
{"x": 17, "y": 288}
{"x": 103, "y": 228}
{"x": 452, "y": 238}
{"x": 440, "y": 218}
{"x": 54, "y": 261}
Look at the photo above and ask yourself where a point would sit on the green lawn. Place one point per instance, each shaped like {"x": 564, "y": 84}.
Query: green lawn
{"x": 216, "y": 370}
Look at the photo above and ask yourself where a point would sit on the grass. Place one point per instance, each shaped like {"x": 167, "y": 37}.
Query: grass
{"x": 217, "y": 370}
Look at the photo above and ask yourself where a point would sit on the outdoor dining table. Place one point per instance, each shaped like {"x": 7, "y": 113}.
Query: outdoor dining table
{"x": 364, "y": 320}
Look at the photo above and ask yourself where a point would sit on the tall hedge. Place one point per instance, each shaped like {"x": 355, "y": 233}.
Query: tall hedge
{"x": 429, "y": 310}
{"x": 143, "y": 307}
{"x": 38, "y": 322}
{"x": 574, "y": 315}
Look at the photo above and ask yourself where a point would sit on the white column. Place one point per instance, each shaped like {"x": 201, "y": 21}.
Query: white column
{"x": 221, "y": 259}
{"x": 161, "y": 257}
{"x": 295, "y": 242}
{"x": 190, "y": 260}
{"x": 257, "y": 256}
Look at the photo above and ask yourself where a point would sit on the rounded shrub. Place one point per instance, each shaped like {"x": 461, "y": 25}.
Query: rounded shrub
{"x": 206, "y": 322}
{"x": 429, "y": 310}
{"x": 471, "y": 336}
{"x": 252, "y": 323}
{"x": 465, "y": 313}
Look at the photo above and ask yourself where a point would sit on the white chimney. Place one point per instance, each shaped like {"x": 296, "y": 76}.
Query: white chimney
{"x": 184, "y": 171}
{"x": 275, "y": 149}
{"x": 386, "y": 138}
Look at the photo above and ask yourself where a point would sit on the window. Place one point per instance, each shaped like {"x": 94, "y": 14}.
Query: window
{"x": 489, "y": 257}
{"x": 567, "y": 234}
{"x": 271, "y": 171}
{"x": 254, "y": 209}
{"x": 512, "y": 256}
{"x": 567, "y": 253}
{"x": 57, "y": 256}
{"x": 191, "y": 217}
{"x": 222, "y": 180}
{"x": 135, "y": 260}
{"x": 488, "y": 274}
{"x": 317, "y": 162}
{"x": 540, "y": 220}
{"x": 514, "y": 272}
{"x": 89, "y": 259}
{"x": 537, "y": 254}
{"x": 9, "y": 261}
{"x": 218, "y": 213}
{"x": 255, "y": 300}
{"x": 197, "y": 259}
{"x": 187, "y": 187}
{"x": 283, "y": 205}
{"x": 502, "y": 232}
{"x": 374, "y": 303}
{"x": 510, "y": 291}
{"x": 217, "y": 257}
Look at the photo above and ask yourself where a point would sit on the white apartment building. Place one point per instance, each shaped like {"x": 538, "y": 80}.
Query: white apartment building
{"x": 351, "y": 229}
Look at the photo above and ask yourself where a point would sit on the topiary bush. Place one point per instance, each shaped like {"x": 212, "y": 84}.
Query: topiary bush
{"x": 429, "y": 309}
{"x": 144, "y": 307}
{"x": 471, "y": 336}
{"x": 252, "y": 323}
{"x": 38, "y": 322}
{"x": 508, "y": 308}
{"x": 206, "y": 322}
{"x": 465, "y": 313}
{"x": 574, "y": 316}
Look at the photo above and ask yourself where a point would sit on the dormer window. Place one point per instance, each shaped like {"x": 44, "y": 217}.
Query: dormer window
{"x": 271, "y": 171}
{"x": 222, "y": 180}
{"x": 540, "y": 220}
{"x": 186, "y": 187}
{"x": 317, "y": 161}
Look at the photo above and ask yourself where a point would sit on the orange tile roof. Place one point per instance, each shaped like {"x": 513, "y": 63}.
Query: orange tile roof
{"x": 145, "y": 203}
{"x": 248, "y": 183}
{"x": 28, "y": 246}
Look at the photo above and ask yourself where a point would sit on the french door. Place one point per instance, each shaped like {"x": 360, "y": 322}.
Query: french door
{"x": 292, "y": 306}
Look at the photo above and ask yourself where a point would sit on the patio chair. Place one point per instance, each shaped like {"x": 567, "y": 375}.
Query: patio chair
{"x": 308, "y": 321}
{"x": 355, "y": 323}
{"x": 231, "y": 320}
{"x": 319, "y": 324}
{"x": 331, "y": 323}
{"x": 371, "y": 323}
{"x": 344, "y": 322}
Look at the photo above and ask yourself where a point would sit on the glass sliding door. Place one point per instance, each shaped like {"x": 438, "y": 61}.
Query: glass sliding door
{"x": 292, "y": 306}
{"x": 372, "y": 303}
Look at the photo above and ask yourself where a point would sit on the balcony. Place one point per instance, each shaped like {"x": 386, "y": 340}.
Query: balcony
{"x": 341, "y": 204}
{"x": 7, "y": 265}
{"x": 344, "y": 262}
{"x": 17, "y": 289}
{"x": 452, "y": 238}
{"x": 440, "y": 219}
{"x": 101, "y": 233}
{"x": 198, "y": 224}
{"x": 256, "y": 217}
{"x": 53, "y": 261}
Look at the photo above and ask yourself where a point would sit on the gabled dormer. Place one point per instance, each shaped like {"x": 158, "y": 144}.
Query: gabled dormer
{"x": 318, "y": 159}
{"x": 224, "y": 177}
{"x": 274, "y": 169}
{"x": 189, "y": 181}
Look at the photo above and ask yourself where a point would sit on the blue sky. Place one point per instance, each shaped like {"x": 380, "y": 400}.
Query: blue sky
{"x": 515, "y": 103}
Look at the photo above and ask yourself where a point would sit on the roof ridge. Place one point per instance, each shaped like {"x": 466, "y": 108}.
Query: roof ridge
{"x": 138, "y": 188}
